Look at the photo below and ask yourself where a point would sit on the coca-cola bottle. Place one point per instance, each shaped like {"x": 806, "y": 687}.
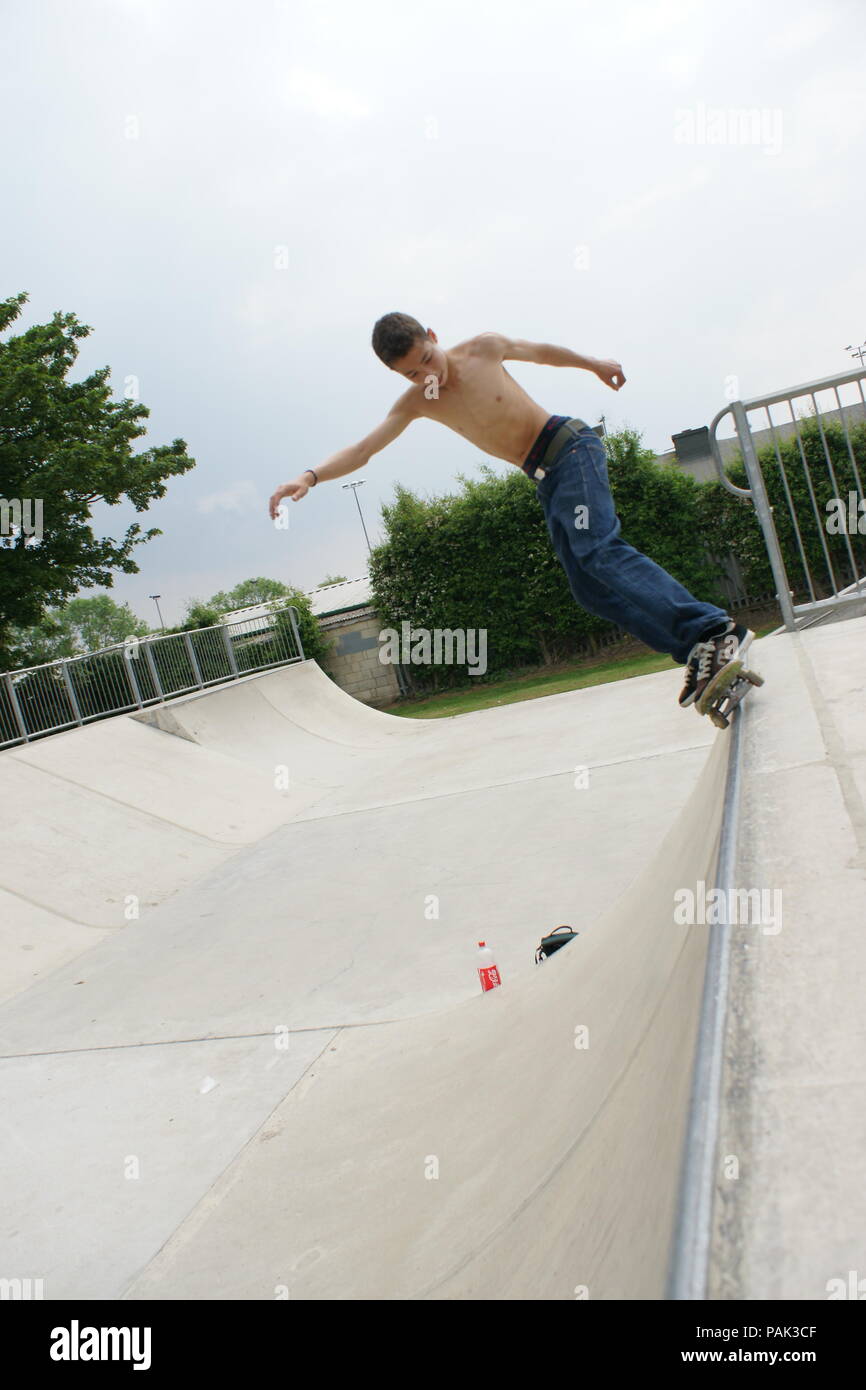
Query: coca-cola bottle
{"x": 488, "y": 970}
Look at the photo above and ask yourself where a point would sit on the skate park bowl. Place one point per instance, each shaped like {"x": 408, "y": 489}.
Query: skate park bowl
{"x": 244, "y": 1050}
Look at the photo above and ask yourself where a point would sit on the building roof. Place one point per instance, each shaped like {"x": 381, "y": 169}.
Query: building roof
{"x": 336, "y": 598}
{"x": 325, "y": 602}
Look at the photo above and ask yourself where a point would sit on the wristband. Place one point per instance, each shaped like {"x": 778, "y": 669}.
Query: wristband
{"x": 314, "y": 473}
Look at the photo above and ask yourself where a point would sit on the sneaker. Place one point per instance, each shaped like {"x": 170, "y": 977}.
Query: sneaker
{"x": 710, "y": 654}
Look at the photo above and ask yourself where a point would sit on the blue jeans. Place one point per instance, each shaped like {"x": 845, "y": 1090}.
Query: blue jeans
{"x": 606, "y": 575}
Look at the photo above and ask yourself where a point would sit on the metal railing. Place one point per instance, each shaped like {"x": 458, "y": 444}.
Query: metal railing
{"x": 809, "y": 486}
{"x": 143, "y": 671}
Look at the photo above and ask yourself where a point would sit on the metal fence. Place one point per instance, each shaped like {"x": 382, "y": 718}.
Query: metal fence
{"x": 143, "y": 671}
{"x": 807, "y": 490}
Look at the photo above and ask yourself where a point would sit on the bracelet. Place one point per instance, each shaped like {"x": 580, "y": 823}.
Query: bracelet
{"x": 314, "y": 473}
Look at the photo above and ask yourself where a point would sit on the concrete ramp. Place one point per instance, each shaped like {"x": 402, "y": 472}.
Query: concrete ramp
{"x": 522, "y": 1145}
{"x": 281, "y": 1074}
{"x": 100, "y": 825}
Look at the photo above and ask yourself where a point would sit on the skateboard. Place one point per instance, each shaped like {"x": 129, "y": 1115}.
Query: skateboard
{"x": 725, "y": 691}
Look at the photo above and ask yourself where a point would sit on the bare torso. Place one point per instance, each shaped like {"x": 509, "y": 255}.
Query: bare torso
{"x": 483, "y": 403}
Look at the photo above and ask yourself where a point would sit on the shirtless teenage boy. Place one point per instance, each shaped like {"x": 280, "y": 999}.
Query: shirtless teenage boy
{"x": 469, "y": 389}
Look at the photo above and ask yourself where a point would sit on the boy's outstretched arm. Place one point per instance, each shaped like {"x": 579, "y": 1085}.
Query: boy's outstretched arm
{"x": 350, "y": 459}
{"x": 547, "y": 355}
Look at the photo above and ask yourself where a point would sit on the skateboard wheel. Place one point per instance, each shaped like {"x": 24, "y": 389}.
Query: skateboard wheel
{"x": 753, "y": 677}
{"x": 719, "y": 719}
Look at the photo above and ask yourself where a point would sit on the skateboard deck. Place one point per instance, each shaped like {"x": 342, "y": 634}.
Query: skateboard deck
{"x": 725, "y": 691}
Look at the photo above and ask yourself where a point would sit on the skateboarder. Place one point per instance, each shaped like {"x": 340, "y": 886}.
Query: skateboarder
{"x": 468, "y": 389}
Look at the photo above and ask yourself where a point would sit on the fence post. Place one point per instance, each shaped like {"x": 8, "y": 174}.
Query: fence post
{"x": 193, "y": 661}
{"x": 16, "y": 709}
{"x": 151, "y": 664}
{"x": 133, "y": 682}
{"x": 70, "y": 691}
{"x": 230, "y": 651}
{"x": 765, "y": 514}
{"x": 293, "y": 619}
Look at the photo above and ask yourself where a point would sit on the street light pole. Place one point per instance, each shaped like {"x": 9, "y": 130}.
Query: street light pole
{"x": 156, "y": 598}
{"x": 353, "y": 486}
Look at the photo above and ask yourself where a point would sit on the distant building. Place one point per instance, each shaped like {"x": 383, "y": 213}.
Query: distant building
{"x": 691, "y": 450}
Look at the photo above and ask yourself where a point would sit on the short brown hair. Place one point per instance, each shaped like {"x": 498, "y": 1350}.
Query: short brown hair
{"x": 394, "y": 335}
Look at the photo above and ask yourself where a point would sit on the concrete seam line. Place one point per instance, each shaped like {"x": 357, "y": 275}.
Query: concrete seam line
{"x": 689, "y": 1263}
{"x": 301, "y": 819}
{"x": 92, "y": 791}
{"x": 204, "y": 1038}
{"x": 208, "y": 1201}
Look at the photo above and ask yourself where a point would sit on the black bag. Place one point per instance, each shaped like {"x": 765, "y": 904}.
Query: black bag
{"x": 552, "y": 943}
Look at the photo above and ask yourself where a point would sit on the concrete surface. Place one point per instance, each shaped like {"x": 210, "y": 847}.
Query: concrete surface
{"x": 791, "y": 1204}
{"x": 244, "y": 1054}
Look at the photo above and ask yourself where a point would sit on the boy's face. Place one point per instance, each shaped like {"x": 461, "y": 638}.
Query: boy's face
{"x": 426, "y": 359}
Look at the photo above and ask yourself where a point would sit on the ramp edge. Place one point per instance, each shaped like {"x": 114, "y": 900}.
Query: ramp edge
{"x": 690, "y": 1251}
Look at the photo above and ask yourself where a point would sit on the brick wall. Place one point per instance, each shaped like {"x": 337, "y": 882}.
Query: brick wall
{"x": 353, "y": 660}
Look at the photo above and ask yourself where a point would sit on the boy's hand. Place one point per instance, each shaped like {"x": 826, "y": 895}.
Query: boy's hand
{"x": 296, "y": 490}
{"x": 611, "y": 374}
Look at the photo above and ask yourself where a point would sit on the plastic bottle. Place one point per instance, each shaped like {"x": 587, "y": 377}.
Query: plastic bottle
{"x": 488, "y": 970}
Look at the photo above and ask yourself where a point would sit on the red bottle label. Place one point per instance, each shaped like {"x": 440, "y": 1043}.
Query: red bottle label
{"x": 489, "y": 976}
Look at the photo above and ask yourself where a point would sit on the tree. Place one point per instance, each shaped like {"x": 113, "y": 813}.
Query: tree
{"x": 331, "y": 579}
{"x": 47, "y": 640}
{"x": 198, "y": 615}
{"x": 253, "y": 592}
{"x": 65, "y": 445}
{"x": 84, "y": 625}
{"x": 248, "y": 593}
{"x": 100, "y": 622}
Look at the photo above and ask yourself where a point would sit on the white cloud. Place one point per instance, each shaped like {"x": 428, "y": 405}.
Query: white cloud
{"x": 240, "y": 498}
{"x": 429, "y": 248}
{"x": 641, "y": 23}
{"x": 681, "y": 65}
{"x": 803, "y": 31}
{"x": 667, "y": 193}
{"x": 311, "y": 91}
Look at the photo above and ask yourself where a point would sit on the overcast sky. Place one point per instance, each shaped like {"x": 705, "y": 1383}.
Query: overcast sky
{"x": 232, "y": 194}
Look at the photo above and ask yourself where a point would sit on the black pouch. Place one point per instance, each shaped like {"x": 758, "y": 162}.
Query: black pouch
{"x": 560, "y": 936}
